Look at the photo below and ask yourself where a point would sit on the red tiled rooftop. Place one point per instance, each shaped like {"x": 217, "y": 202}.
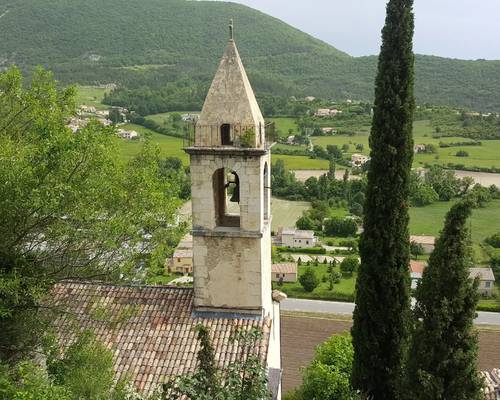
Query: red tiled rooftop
{"x": 150, "y": 330}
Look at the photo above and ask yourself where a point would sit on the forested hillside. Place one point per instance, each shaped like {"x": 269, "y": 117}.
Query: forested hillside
{"x": 153, "y": 42}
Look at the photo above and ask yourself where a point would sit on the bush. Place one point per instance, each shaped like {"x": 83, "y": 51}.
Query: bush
{"x": 462, "y": 153}
{"x": 303, "y": 250}
{"x": 328, "y": 377}
{"x": 494, "y": 240}
{"x": 309, "y": 280}
{"x": 341, "y": 227}
{"x": 349, "y": 265}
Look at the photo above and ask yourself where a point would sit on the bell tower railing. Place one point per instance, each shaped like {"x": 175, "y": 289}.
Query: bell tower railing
{"x": 239, "y": 136}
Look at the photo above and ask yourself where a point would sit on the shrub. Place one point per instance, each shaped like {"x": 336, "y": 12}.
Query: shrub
{"x": 247, "y": 139}
{"x": 328, "y": 377}
{"x": 341, "y": 227}
{"x": 494, "y": 240}
{"x": 462, "y": 153}
{"x": 309, "y": 280}
{"x": 349, "y": 265}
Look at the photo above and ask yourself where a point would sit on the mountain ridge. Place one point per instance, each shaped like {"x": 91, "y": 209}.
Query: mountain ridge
{"x": 157, "y": 41}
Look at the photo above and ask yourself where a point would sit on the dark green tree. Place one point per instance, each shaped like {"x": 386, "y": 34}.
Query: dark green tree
{"x": 443, "y": 354}
{"x": 331, "y": 168}
{"x": 380, "y": 328}
{"x": 416, "y": 249}
{"x": 309, "y": 280}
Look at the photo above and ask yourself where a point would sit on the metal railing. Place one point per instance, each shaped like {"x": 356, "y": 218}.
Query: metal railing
{"x": 240, "y": 136}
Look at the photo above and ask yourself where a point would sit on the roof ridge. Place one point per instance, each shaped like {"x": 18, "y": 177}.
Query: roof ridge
{"x": 125, "y": 285}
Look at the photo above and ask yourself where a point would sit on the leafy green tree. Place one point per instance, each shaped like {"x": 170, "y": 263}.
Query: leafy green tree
{"x": 381, "y": 315}
{"x": 27, "y": 381}
{"x": 349, "y": 265}
{"x": 69, "y": 207}
{"x": 494, "y": 240}
{"x": 309, "y": 280}
{"x": 443, "y": 182}
{"x": 115, "y": 116}
{"x": 344, "y": 227}
{"x": 328, "y": 375}
{"x": 443, "y": 355}
{"x": 86, "y": 369}
{"x": 331, "y": 168}
{"x": 479, "y": 196}
{"x": 416, "y": 249}
{"x": 334, "y": 151}
{"x": 243, "y": 379}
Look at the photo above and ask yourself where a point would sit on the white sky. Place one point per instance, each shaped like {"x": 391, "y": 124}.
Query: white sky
{"x": 467, "y": 29}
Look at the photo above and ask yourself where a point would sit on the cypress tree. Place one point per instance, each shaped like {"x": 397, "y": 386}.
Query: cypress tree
{"x": 442, "y": 357}
{"x": 381, "y": 315}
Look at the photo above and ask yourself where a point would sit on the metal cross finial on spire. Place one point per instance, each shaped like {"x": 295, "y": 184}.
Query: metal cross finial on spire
{"x": 231, "y": 29}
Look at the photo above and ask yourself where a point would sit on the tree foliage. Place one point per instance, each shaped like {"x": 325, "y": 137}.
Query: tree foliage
{"x": 309, "y": 280}
{"x": 69, "y": 208}
{"x": 328, "y": 375}
{"x": 243, "y": 379}
{"x": 382, "y": 294}
{"x": 443, "y": 355}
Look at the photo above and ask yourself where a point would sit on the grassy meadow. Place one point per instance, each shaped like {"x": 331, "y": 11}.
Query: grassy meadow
{"x": 169, "y": 146}
{"x": 285, "y": 213}
{"x": 342, "y": 290}
{"x": 91, "y": 96}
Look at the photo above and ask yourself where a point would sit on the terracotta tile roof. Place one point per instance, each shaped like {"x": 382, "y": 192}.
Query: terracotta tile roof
{"x": 417, "y": 267}
{"x": 492, "y": 384}
{"x": 423, "y": 239}
{"x": 149, "y": 329}
{"x": 183, "y": 253}
{"x": 284, "y": 268}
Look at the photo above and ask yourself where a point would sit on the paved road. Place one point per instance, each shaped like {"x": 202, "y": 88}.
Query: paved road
{"x": 334, "y": 307}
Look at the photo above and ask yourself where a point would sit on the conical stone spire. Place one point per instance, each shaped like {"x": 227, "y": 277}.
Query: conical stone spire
{"x": 230, "y": 100}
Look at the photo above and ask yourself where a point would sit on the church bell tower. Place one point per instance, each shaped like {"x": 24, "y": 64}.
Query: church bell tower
{"x": 230, "y": 175}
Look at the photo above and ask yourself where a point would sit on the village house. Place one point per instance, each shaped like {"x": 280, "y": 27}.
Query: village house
{"x": 486, "y": 280}
{"x": 129, "y": 135}
{"x": 419, "y": 148}
{"x": 329, "y": 131}
{"x": 291, "y": 237}
{"x": 358, "y": 160}
{"x": 427, "y": 242}
{"x": 190, "y": 117}
{"x": 284, "y": 272}
{"x": 485, "y": 276}
{"x": 310, "y": 98}
{"x": 155, "y": 339}
{"x": 416, "y": 271}
{"x": 75, "y": 124}
{"x": 327, "y": 112}
{"x": 182, "y": 260}
{"x": 87, "y": 109}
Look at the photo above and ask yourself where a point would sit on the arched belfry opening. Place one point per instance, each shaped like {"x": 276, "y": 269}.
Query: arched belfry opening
{"x": 225, "y": 135}
{"x": 266, "y": 191}
{"x": 226, "y": 186}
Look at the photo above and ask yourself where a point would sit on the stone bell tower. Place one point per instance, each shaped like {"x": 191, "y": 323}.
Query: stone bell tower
{"x": 230, "y": 174}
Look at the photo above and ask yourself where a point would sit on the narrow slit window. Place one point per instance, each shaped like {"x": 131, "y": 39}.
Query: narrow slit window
{"x": 225, "y": 135}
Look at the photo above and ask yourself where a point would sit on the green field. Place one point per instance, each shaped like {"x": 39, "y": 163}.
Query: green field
{"x": 479, "y": 156}
{"x": 284, "y": 124}
{"x": 300, "y": 162}
{"x": 169, "y": 146}
{"x": 91, "y": 96}
{"x": 161, "y": 118}
{"x": 285, "y": 213}
{"x": 429, "y": 220}
{"x": 342, "y": 290}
